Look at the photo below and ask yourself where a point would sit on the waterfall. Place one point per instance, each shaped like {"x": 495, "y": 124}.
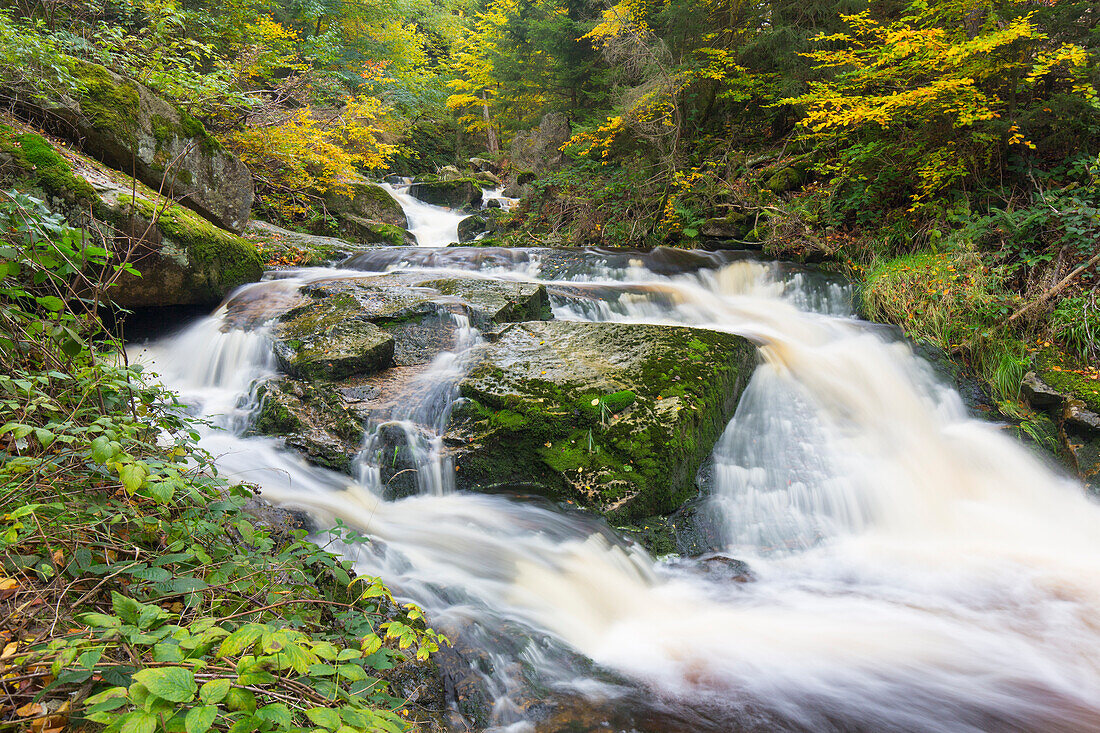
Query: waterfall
{"x": 917, "y": 570}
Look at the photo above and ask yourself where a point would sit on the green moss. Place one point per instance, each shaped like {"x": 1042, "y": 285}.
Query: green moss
{"x": 162, "y": 130}
{"x": 1069, "y": 376}
{"x": 191, "y": 127}
{"x": 227, "y": 259}
{"x": 631, "y": 452}
{"x": 14, "y": 151}
{"x": 110, "y": 106}
{"x": 387, "y": 234}
{"x": 46, "y": 167}
{"x": 274, "y": 417}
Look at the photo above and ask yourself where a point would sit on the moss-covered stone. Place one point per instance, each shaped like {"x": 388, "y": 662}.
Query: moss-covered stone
{"x": 369, "y": 201}
{"x": 462, "y": 193}
{"x": 614, "y": 417}
{"x": 37, "y": 161}
{"x": 470, "y": 227}
{"x": 125, "y": 125}
{"x": 311, "y": 418}
{"x": 1069, "y": 376}
{"x": 195, "y": 261}
{"x": 364, "y": 231}
{"x": 325, "y": 341}
{"x": 495, "y": 301}
{"x": 109, "y": 103}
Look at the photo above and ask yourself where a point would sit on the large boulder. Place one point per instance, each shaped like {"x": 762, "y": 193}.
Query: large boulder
{"x": 462, "y": 193}
{"x": 472, "y": 226}
{"x": 540, "y": 149}
{"x": 368, "y": 201}
{"x": 611, "y": 416}
{"x": 326, "y": 338}
{"x": 125, "y": 125}
{"x": 334, "y": 386}
{"x": 182, "y": 258}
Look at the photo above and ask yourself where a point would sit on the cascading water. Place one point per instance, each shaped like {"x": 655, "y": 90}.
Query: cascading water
{"x": 915, "y": 570}
{"x": 431, "y": 225}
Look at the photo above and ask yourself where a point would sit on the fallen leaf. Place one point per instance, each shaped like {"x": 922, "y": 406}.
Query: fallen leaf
{"x": 30, "y": 710}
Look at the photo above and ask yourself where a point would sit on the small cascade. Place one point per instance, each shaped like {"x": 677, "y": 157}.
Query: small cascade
{"x": 433, "y": 226}
{"x": 421, "y": 421}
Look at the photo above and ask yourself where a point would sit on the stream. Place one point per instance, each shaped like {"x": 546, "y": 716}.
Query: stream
{"x": 914, "y": 569}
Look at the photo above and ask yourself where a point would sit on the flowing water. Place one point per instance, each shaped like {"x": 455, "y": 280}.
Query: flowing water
{"x": 915, "y": 569}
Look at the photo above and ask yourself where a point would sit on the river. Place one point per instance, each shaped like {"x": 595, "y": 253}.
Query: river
{"x": 915, "y": 569}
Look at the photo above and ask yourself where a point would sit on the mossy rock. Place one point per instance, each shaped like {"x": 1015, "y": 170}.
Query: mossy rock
{"x": 494, "y": 301}
{"x": 613, "y": 417}
{"x": 182, "y": 258}
{"x": 32, "y": 159}
{"x": 789, "y": 177}
{"x": 313, "y": 419}
{"x": 364, "y": 231}
{"x": 126, "y": 126}
{"x": 472, "y": 226}
{"x": 1069, "y": 376}
{"x": 732, "y": 226}
{"x": 368, "y": 201}
{"x": 462, "y": 193}
{"x": 320, "y": 342}
{"x": 415, "y": 311}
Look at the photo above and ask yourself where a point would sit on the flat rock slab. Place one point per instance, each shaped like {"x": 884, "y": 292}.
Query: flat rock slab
{"x": 615, "y": 417}
{"x": 418, "y": 313}
{"x": 319, "y": 341}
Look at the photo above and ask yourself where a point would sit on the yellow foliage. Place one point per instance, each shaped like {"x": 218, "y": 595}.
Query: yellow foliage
{"x": 303, "y": 155}
{"x": 929, "y": 97}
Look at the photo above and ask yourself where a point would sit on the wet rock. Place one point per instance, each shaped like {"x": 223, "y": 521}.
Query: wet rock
{"x": 368, "y": 201}
{"x": 726, "y": 568}
{"x": 311, "y": 418}
{"x": 392, "y": 451}
{"x": 493, "y": 204}
{"x": 463, "y": 193}
{"x": 470, "y": 227}
{"x": 125, "y": 125}
{"x": 496, "y": 301}
{"x": 322, "y": 340}
{"x": 613, "y": 417}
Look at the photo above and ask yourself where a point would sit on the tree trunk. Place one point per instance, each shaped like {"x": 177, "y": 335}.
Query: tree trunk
{"x": 490, "y": 132}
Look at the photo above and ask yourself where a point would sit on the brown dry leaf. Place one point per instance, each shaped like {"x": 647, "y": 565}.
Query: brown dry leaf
{"x": 30, "y": 710}
{"x": 9, "y": 650}
{"x": 58, "y": 556}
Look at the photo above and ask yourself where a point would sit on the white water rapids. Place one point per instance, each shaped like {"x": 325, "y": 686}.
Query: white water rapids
{"x": 916, "y": 570}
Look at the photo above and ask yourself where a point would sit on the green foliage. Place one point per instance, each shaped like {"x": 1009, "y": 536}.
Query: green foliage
{"x": 955, "y": 301}
{"x": 166, "y": 602}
